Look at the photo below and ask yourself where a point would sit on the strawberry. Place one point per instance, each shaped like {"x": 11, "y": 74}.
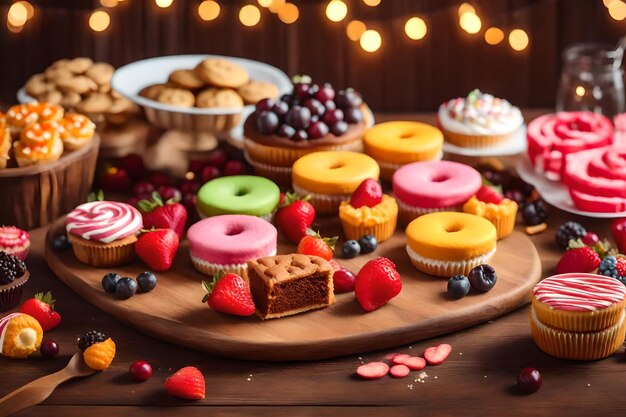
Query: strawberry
{"x": 621, "y": 267}
{"x": 377, "y": 283}
{"x": 488, "y": 194}
{"x": 369, "y": 193}
{"x": 314, "y": 244}
{"x": 229, "y": 293}
{"x": 41, "y": 307}
{"x": 578, "y": 260}
{"x": 186, "y": 383}
{"x": 159, "y": 215}
{"x": 294, "y": 217}
{"x": 157, "y": 248}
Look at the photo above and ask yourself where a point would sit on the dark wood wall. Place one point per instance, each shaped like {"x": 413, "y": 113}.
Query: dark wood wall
{"x": 403, "y": 75}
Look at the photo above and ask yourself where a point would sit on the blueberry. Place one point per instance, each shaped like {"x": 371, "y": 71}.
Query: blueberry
{"x": 125, "y": 288}
{"x": 458, "y": 286}
{"x": 368, "y": 244}
{"x": 483, "y": 277}
{"x": 350, "y": 249}
{"x": 61, "y": 243}
{"x": 109, "y": 282}
{"x": 147, "y": 281}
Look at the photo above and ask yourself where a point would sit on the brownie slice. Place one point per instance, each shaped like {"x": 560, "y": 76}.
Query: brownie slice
{"x": 283, "y": 285}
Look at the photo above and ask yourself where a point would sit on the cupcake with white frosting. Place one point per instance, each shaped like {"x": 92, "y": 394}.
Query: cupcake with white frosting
{"x": 479, "y": 120}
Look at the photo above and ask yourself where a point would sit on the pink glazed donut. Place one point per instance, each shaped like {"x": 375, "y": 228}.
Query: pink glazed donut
{"x": 229, "y": 241}
{"x": 426, "y": 187}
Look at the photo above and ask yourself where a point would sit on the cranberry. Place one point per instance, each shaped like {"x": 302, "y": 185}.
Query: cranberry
{"x": 300, "y": 136}
{"x": 140, "y": 370}
{"x": 265, "y": 105}
{"x": 314, "y": 119}
{"x": 590, "y": 239}
{"x": 142, "y": 188}
{"x": 343, "y": 281}
{"x": 189, "y": 186}
{"x": 313, "y": 89}
{"x": 280, "y": 108}
{"x": 298, "y": 117}
{"x": 352, "y": 115}
{"x": 290, "y": 99}
{"x": 529, "y": 380}
{"x": 168, "y": 192}
{"x": 330, "y": 105}
{"x": 267, "y": 122}
{"x": 339, "y": 128}
{"x": 317, "y": 130}
{"x": 159, "y": 178}
{"x": 515, "y": 195}
{"x": 196, "y": 166}
{"x": 325, "y": 93}
{"x": 49, "y": 349}
{"x": 134, "y": 201}
{"x": 286, "y": 131}
{"x": 115, "y": 180}
{"x": 348, "y": 98}
{"x": 217, "y": 158}
{"x": 209, "y": 172}
{"x": 333, "y": 116}
{"x": 133, "y": 164}
{"x": 315, "y": 106}
{"x": 301, "y": 90}
{"x": 234, "y": 168}
{"x": 189, "y": 201}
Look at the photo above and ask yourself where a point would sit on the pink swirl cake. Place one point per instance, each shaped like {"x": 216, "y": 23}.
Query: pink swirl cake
{"x": 597, "y": 179}
{"x": 554, "y": 136}
{"x": 14, "y": 241}
{"x": 228, "y": 242}
{"x": 103, "y": 233}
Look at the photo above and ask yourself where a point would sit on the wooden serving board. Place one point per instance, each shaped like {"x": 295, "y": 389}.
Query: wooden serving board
{"x": 173, "y": 310}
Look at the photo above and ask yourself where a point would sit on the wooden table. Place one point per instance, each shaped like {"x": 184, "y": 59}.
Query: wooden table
{"x": 477, "y": 379}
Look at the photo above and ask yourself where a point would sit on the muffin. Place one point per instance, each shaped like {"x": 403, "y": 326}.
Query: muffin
{"x": 13, "y": 278}
{"x": 14, "y": 241}
{"x": 39, "y": 143}
{"x": 479, "y": 120}
{"x": 500, "y": 211}
{"x": 20, "y": 335}
{"x": 75, "y": 131}
{"x": 103, "y": 233}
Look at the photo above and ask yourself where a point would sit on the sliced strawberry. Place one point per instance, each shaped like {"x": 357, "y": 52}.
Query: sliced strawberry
{"x": 157, "y": 248}
{"x": 377, "y": 283}
{"x": 373, "y": 370}
{"x": 437, "y": 354}
{"x": 229, "y": 293}
{"x": 400, "y": 359}
{"x": 41, "y": 308}
{"x": 582, "y": 259}
{"x": 415, "y": 363}
{"x": 187, "y": 383}
{"x": 369, "y": 193}
{"x": 399, "y": 371}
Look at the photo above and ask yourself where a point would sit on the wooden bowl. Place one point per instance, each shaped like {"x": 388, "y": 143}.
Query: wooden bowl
{"x": 36, "y": 195}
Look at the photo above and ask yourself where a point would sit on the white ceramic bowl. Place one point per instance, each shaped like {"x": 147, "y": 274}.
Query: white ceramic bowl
{"x": 130, "y": 79}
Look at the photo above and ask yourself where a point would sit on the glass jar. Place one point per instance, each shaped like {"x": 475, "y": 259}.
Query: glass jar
{"x": 591, "y": 80}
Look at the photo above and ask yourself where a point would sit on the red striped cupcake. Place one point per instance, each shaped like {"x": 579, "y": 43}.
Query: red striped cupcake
{"x": 14, "y": 241}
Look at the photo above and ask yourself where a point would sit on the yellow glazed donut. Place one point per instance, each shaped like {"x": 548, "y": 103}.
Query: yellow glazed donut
{"x": 394, "y": 144}
{"x": 331, "y": 176}
{"x": 450, "y": 243}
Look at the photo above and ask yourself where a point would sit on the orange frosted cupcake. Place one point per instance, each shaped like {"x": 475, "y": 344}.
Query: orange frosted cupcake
{"x": 76, "y": 130}
{"x": 103, "y": 233}
{"x": 491, "y": 205}
{"x": 369, "y": 212}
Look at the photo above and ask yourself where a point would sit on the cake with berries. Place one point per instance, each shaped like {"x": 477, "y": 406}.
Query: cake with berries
{"x": 491, "y": 204}
{"x": 13, "y": 278}
{"x": 578, "y": 316}
{"x": 479, "y": 120}
{"x": 313, "y": 118}
{"x": 284, "y": 285}
{"x": 369, "y": 212}
{"x": 14, "y": 241}
{"x": 98, "y": 350}
{"x": 20, "y": 335}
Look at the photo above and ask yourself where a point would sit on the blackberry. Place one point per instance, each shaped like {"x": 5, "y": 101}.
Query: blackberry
{"x": 608, "y": 267}
{"x": 91, "y": 338}
{"x": 534, "y": 213}
{"x": 568, "y": 231}
{"x": 11, "y": 268}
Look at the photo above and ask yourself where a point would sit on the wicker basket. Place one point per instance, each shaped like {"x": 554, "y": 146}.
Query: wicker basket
{"x": 34, "y": 196}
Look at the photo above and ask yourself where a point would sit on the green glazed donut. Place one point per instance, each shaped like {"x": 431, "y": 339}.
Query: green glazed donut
{"x": 238, "y": 194}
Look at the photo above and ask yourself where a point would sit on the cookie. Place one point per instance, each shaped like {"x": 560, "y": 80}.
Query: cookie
{"x": 222, "y": 73}
{"x": 121, "y": 111}
{"x": 104, "y": 88}
{"x": 79, "y": 84}
{"x": 254, "y": 91}
{"x": 54, "y": 74}
{"x": 61, "y": 63}
{"x": 100, "y": 72}
{"x": 152, "y": 91}
{"x": 79, "y": 65}
{"x": 70, "y": 100}
{"x": 176, "y": 97}
{"x": 186, "y": 78}
{"x": 37, "y": 85}
{"x": 219, "y": 98}
{"x": 95, "y": 103}
{"x": 51, "y": 96}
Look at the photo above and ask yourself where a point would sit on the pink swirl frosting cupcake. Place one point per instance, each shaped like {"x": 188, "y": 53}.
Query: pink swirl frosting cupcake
{"x": 104, "y": 221}
{"x": 554, "y": 136}
{"x": 14, "y": 241}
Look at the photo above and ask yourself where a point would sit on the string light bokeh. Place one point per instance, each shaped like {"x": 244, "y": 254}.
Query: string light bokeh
{"x": 99, "y": 20}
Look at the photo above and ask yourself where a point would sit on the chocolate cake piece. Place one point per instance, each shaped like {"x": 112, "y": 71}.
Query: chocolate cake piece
{"x": 283, "y": 285}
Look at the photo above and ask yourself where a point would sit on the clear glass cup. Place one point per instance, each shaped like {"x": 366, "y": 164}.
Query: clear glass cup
{"x": 591, "y": 80}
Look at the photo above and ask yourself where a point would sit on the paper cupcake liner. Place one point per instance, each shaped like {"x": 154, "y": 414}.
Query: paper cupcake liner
{"x": 447, "y": 269}
{"x": 323, "y": 203}
{"x": 406, "y": 213}
{"x": 103, "y": 255}
{"x": 578, "y": 321}
{"x": 285, "y": 157}
{"x": 280, "y": 175}
{"x": 19, "y": 252}
{"x": 475, "y": 141}
{"x": 505, "y": 224}
{"x": 381, "y": 231}
{"x": 11, "y": 295}
{"x": 387, "y": 169}
{"x": 579, "y": 346}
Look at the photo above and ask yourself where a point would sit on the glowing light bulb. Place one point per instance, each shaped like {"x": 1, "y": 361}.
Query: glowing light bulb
{"x": 372, "y": 3}
{"x": 164, "y": 4}
{"x": 355, "y": 29}
{"x": 494, "y": 36}
{"x": 336, "y": 10}
{"x": 249, "y": 15}
{"x": 466, "y": 8}
{"x": 209, "y": 10}
{"x": 518, "y": 39}
{"x": 99, "y": 20}
{"x": 289, "y": 13}
{"x": 17, "y": 15}
{"x": 580, "y": 91}
{"x": 607, "y": 3}
{"x": 371, "y": 40}
{"x": 415, "y": 28}
{"x": 470, "y": 23}
{"x": 30, "y": 10}
{"x": 617, "y": 10}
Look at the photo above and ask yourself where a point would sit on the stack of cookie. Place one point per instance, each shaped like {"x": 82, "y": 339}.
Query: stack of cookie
{"x": 81, "y": 85}
{"x": 213, "y": 83}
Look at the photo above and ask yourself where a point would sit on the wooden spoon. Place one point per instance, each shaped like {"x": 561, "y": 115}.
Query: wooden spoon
{"x": 37, "y": 391}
